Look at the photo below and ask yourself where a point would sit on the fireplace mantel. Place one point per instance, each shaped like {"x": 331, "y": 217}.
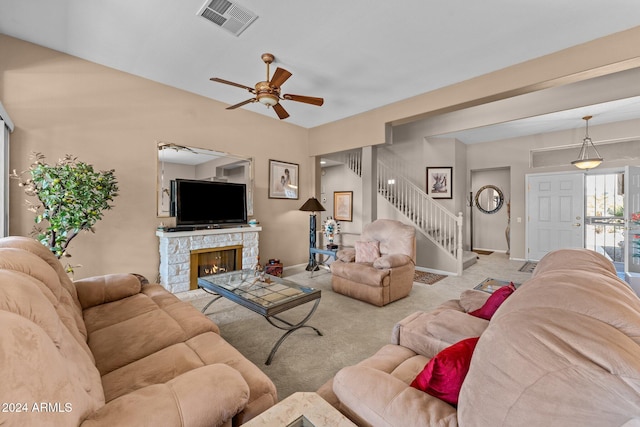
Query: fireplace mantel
{"x": 176, "y": 247}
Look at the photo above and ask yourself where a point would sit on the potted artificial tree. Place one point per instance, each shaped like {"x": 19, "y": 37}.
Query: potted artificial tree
{"x": 71, "y": 198}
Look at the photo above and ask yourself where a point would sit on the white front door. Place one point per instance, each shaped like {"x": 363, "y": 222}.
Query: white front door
{"x": 632, "y": 209}
{"x": 555, "y": 207}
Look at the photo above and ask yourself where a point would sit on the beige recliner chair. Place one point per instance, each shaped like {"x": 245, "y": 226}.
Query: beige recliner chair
{"x": 380, "y": 268}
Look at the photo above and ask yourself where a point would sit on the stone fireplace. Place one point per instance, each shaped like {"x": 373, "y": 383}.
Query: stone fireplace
{"x": 179, "y": 248}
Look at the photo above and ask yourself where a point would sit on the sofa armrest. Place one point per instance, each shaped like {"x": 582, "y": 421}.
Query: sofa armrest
{"x": 210, "y": 395}
{"x": 473, "y": 299}
{"x": 384, "y": 400}
{"x": 392, "y": 261}
{"x": 98, "y": 290}
{"x": 346, "y": 255}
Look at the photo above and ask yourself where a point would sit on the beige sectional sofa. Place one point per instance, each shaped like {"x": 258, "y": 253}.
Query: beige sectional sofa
{"x": 562, "y": 350}
{"x": 112, "y": 351}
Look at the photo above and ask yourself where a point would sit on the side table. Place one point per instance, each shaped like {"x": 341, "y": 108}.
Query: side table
{"x": 301, "y": 409}
{"x": 329, "y": 253}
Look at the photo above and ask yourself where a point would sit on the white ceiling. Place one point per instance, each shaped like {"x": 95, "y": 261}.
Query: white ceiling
{"x": 357, "y": 54}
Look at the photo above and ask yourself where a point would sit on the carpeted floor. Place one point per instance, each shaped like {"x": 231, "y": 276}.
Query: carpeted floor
{"x": 353, "y": 330}
{"x": 426, "y": 277}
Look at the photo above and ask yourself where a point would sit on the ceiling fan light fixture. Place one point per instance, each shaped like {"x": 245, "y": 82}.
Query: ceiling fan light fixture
{"x": 268, "y": 99}
{"x": 584, "y": 160}
{"x": 266, "y": 94}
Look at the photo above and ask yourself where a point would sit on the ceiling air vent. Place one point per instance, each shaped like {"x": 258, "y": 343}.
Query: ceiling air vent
{"x": 227, "y": 15}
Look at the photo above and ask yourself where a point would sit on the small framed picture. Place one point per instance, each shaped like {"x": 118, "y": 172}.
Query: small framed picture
{"x": 440, "y": 182}
{"x": 343, "y": 205}
{"x": 283, "y": 180}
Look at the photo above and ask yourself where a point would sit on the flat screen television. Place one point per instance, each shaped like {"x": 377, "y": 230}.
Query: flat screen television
{"x": 206, "y": 203}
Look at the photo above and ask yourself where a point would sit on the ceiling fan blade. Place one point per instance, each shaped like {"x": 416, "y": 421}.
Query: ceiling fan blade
{"x": 279, "y": 77}
{"x": 227, "y": 82}
{"x": 280, "y": 111}
{"x": 306, "y": 99}
{"x": 241, "y": 104}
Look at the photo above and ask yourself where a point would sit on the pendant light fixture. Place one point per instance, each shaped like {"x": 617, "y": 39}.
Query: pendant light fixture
{"x": 584, "y": 161}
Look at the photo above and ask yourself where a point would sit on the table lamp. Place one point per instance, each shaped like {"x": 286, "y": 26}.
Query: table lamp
{"x": 312, "y": 205}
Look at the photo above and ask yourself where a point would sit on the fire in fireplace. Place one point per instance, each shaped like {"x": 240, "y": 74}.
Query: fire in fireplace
{"x": 205, "y": 262}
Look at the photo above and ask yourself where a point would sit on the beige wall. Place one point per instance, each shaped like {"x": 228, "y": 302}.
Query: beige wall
{"x": 61, "y": 104}
{"x": 511, "y": 155}
{"x": 514, "y": 154}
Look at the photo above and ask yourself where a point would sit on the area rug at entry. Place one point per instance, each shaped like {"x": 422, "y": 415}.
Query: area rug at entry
{"x": 528, "y": 267}
{"x": 426, "y": 277}
{"x": 482, "y": 252}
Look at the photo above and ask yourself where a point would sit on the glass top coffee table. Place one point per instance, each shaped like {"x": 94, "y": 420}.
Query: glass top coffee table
{"x": 263, "y": 294}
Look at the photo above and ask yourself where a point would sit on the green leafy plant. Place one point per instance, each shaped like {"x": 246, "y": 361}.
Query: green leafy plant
{"x": 71, "y": 198}
{"x": 618, "y": 211}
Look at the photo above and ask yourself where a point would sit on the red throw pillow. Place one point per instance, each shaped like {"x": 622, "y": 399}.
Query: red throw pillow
{"x": 442, "y": 377}
{"x": 495, "y": 300}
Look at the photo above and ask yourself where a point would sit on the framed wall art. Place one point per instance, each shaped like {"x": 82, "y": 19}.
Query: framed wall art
{"x": 283, "y": 180}
{"x": 440, "y": 182}
{"x": 343, "y": 205}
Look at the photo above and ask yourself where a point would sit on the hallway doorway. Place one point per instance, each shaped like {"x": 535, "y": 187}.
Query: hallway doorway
{"x": 490, "y": 231}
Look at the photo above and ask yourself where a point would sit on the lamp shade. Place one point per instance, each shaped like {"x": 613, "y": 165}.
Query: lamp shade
{"x": 312, "y": 205}
{"x": 587, "y": 164}
{"x": 586, "y": 161}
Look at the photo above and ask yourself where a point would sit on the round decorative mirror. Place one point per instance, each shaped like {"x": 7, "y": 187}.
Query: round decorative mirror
{"x": 489, "y": 199}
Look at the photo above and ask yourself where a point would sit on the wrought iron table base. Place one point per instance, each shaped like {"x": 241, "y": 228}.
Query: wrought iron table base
{"x": 290, "y": 327}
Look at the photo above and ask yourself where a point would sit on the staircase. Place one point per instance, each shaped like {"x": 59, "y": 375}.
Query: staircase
{"x": 437, "y": 224}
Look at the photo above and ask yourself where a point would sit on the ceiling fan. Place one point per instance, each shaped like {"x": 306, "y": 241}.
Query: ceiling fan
{"x": 268, "y": 92}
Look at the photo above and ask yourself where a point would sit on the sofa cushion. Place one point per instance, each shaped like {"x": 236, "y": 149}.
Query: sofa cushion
{"x": 209, "y": 395}
{"x": 394, "y": 236}
{"x": 367, "y": 251}
{"x": 574, "y": 260}
{"x": 50, "y": 284}
{"x": 130, "y": 340}
{"x": 98, "y": 290}
{"x": 212, "y": 349}
{"x": 472, "y": 299}
{"x": 346, "y": 255}
{"x": 104, "y": 315}
{"x": 41, "y": 359}
{"x": 431, "y": 332}
{"x": 442, "y": 377}
{"x": 157, "y": 368}
{"x": 562, "y": 350}
{"x": 494, "y": 302}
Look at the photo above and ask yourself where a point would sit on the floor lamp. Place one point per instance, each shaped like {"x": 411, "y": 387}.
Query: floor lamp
{"x": 312, "y": 205}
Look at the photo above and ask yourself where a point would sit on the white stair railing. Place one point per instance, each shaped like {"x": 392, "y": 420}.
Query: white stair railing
{"x": 434, "y": 221}
{"x": 352, "y": 159}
